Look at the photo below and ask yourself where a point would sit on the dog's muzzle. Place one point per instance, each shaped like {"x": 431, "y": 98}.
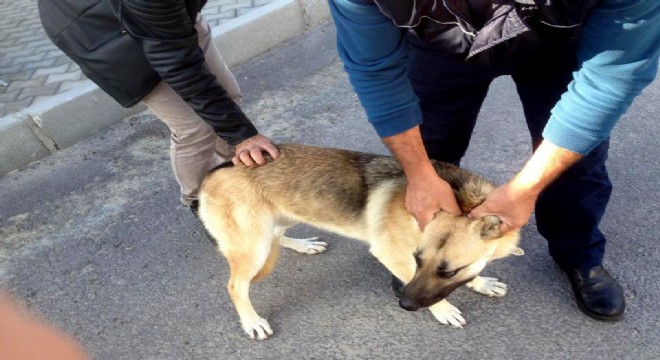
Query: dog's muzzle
{"x": 408, "y": 304}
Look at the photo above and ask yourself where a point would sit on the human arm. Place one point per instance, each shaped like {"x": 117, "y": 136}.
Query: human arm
{"x": 618, "y": 55}
{"x": 373, "y": 51}
{"x": 169, "y": 40}
{"x": 514, "y": 201}
{"x": 426, "y": 192}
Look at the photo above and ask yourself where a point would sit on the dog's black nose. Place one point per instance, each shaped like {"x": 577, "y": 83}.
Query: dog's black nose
{"x": 408, "y": 304}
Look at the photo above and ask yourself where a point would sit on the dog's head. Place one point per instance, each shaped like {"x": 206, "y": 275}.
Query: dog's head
{"x": 453, "y": 250}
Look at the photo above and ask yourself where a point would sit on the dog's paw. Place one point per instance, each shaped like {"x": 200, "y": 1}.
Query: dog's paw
{"x": 488, "y": 286}
{"x": 258, "y": 328}
{"x": 447, "y": 314}
{"x": 305, "y": 246}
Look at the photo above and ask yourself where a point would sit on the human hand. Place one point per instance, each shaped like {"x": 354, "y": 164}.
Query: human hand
{"x": 425, "y": 196}
{"x": 24, "y": 336}
{"x": 512, "y": 205}
{"x": 249, "y": 151}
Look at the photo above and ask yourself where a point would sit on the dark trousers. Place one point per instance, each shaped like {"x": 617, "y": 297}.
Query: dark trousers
{"x": 451, "y": 93}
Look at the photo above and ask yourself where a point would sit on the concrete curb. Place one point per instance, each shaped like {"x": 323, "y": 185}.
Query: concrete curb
{"x": 63, "y": 120}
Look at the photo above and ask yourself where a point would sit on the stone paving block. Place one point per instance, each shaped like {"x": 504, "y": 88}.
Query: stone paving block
{"x": 62, "y": 59}
{"x": 68, "y": 85}
{"x": 23, "y": 75}
{"x": 38, "y": 64}
{"x": 209, "y": 10}
{"x": 4, "y": 61}
{"x": 216, "y": 19}
{"x": 7, "y": 70}
{"x": 74, "y": 67}
{"x": 31, "y": 92}
{"x": 17, "y": 105}
{"x": 9, "y": 96}
{"x": 54, "y": 53}
{"x": 10, "y": 50}
{"x": 74, "y": 75}
{"x": 24, "y": 59}
{"x": 238, "y": 5}
{"x": 19, "y": 54}
{"x": 52, "y": 70}
{"x": 21, "y": 84}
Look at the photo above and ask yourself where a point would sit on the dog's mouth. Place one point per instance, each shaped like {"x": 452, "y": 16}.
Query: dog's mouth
{"x": 414, "y": 300}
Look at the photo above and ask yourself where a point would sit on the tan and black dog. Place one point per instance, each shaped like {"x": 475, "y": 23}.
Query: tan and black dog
{"x": 356, "y": 195}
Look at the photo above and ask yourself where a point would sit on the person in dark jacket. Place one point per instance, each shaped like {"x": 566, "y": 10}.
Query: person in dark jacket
{"x": 162, "y": 54}
{"x": 422, "y": 68}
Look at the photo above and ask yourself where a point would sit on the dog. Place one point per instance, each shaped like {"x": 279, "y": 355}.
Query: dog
{"x": 360, "y": 196}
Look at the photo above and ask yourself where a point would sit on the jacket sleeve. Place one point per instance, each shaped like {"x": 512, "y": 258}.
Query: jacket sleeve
{"x": 618, "y": 56}
{"x": 170, "y": 42}
{"x": 373, "y": 51}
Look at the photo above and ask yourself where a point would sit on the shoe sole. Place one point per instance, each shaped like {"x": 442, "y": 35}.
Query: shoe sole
{"x": 593, "y": 315}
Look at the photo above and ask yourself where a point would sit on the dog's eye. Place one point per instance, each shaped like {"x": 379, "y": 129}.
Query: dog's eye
{"x": 446, "y": 274}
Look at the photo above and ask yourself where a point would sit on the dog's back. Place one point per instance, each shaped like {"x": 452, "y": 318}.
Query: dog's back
{"x": 326, "y": 186}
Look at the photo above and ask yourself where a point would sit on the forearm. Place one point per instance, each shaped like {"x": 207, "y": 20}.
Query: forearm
{"x": 171, "y": 45}
{"x": 546, "y": 164}
{"x": 514, "y": 201}
{"x": 408, "y": 148}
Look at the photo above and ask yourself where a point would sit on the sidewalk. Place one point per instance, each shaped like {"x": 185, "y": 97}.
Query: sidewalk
{"x": 47, "y": 104}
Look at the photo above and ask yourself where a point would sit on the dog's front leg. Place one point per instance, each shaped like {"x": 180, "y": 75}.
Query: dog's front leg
{"x": 305, "y": 246}
{"x": 447, "y": 314}
{"x": 488, "y": 286}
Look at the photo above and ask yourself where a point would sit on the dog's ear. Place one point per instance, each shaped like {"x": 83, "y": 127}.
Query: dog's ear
{"x": 491, "y": 226}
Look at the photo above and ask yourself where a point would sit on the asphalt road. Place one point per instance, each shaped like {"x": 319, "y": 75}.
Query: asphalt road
{"x": 93, "y": 238}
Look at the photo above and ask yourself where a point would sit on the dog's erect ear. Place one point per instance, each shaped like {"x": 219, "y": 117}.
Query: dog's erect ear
{"x": 491, "y": 227}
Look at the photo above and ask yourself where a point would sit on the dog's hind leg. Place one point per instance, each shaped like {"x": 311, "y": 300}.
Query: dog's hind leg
{"x": 247, "y": 265}
{"x": 245, "y": 238}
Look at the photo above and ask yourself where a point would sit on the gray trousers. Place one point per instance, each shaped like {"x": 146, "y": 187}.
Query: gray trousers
{"x": 194, "y": 146}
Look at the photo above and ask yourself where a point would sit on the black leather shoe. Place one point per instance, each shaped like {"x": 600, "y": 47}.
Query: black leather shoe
{"x": 597, "y": 294}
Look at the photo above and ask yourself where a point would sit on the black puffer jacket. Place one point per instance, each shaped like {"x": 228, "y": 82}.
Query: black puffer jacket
{"x": 505, "y": 30}
{"x": 128, "y": 46}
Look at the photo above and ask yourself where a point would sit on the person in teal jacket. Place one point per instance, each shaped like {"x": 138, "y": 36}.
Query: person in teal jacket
{"x": 422, "y": 68}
